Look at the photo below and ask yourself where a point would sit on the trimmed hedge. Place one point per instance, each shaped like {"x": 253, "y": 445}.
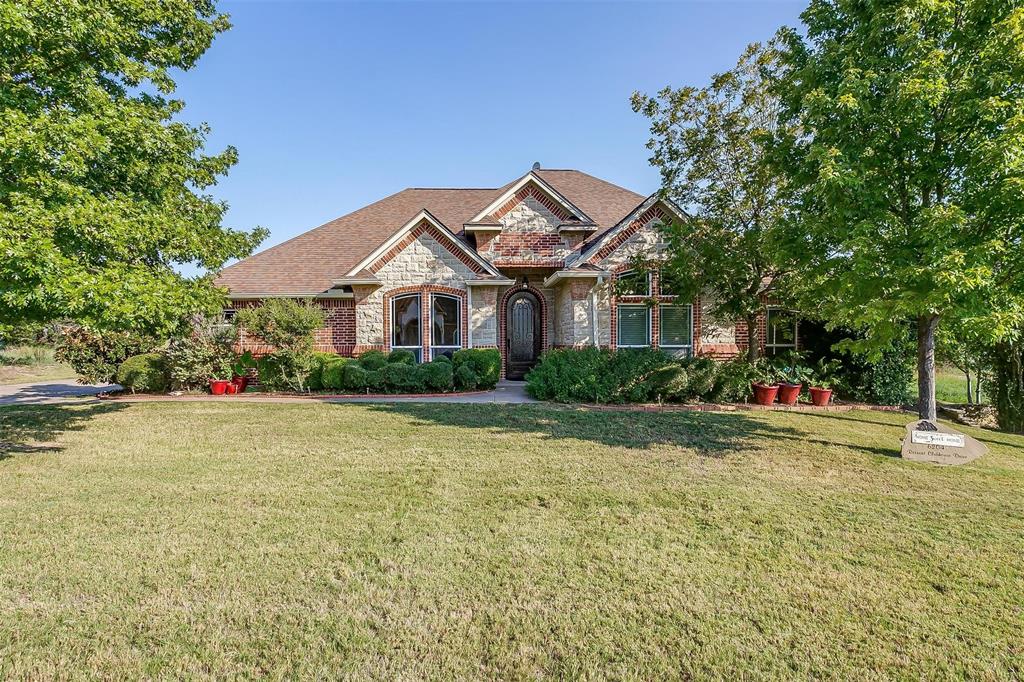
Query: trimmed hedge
{"x": 315, "y": 382}
{"x": 485, "y": 363}
{"x": 403, "y": 356}
{"x": 145, "y": 373}
{"x": 373, "y": 360}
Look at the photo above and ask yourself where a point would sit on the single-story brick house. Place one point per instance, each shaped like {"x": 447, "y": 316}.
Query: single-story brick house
{"x": 522, "y": 268}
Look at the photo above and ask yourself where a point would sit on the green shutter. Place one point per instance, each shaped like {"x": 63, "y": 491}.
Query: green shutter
{"x": 676, "y": 329}
{"x": 634, "y": 327}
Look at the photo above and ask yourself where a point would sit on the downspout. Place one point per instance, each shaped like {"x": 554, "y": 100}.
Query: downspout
{"x": 469, "y": 314}
{"x": 593, "y": 311}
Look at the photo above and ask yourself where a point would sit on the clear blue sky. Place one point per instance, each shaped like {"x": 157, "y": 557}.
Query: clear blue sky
{"x": 333, "y": 105}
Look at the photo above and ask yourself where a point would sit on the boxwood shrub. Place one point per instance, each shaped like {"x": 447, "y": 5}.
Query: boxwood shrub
{"x": 485, "y": 363}
{"x": 437, "y": 376}
{"x": 373, "y": 360}
{"x": 402, "y": 355}
{"x": 316, "y": 373}
{"x": 145, "y": 373}
{"x": 332, "y": 376}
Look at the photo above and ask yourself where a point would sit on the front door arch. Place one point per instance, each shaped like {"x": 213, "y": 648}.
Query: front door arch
{"x": 523, "y": 333}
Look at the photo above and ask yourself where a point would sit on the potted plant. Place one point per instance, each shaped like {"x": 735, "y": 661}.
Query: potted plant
{"x": 792, "y": 375}
{"x": 240, "y": 371}
{"x": 765, "y": 384}
{"x": 822, "y": 382}
{"x": 219, "y": 386}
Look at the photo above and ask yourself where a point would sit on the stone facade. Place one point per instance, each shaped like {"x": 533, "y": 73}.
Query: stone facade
{"x": 483, "y": 316}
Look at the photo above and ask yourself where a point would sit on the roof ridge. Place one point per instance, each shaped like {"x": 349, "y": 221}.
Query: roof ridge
{"x": 457, "y": 189}
{"x": 576, "y": 170}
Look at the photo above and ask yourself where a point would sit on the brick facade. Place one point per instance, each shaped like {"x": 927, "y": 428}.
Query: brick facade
{"x": 338, "y": 335}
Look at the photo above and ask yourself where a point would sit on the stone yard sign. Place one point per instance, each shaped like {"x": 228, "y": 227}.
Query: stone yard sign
{"x": 927, "y": 441}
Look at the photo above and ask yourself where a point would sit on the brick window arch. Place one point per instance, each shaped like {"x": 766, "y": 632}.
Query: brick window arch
{"x": 425, "y": 293}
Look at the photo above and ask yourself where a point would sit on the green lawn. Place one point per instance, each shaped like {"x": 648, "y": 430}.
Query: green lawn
{"x": 185, "y": 540}
{"x": 950, "y": 386}
{"x": 26, "y": 364}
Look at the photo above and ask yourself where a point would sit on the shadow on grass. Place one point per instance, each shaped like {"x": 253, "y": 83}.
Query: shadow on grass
{"x": 34, "y": 428}
{"x": 710, "y": 434}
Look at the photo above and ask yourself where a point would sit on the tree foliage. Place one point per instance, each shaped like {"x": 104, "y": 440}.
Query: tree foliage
{"x": 102, "y": 191}
{"x": 713, "y": 147}
{"x": 910, "y": 152}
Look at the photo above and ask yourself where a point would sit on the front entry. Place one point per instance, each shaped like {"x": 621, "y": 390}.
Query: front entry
{"x": 523, "y": 334}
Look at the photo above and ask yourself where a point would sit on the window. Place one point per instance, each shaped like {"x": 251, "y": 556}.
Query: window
{"x": 445, "y": 325}
{"x": 676, "y": 326}
{"x": 634, "y": 326}
{"x": 229, "y": 314}
{"x": 633, "y": 283}
{"x": 781, "y": 327}
{"x": 405, "y": 324}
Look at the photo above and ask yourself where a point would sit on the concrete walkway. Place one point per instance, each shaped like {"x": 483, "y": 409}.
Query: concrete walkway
{"x": 65, "y": 391}
{"x": 48, "y": 392}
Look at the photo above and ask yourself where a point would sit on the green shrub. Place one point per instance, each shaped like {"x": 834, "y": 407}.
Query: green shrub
{"x": 316, "y": 374}
{"x": 286, "y": 370}
{"x": 373, "y": 360}
{"x": 145, "y": 373}
{"x": 592, "y": 375}
{"x": 332, "y": 374}
{"x": 437, "y": 376}
{"x": 465, "y": 378}
{"x": 402, "y": 378}
{"x": 485, "y": 363}
{"x": 732, "y": 381}
{"x": 1008, "y": 396}
{"x": 358, "y": 379}
{"x": 96, "y": 356}
{"x": 444, "y": 358}
{"x": 572, "y": 375}
{"x": 205, "y": 353}
{"x": 402, "y": 355}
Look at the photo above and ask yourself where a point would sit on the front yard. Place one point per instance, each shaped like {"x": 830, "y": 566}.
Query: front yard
{"x": 476, "y": 541}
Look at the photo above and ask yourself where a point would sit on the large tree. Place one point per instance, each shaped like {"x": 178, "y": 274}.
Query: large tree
{"x": 911, "y": 153}
{"x": 103, "y": 192}
{"x": 713, "y": 146}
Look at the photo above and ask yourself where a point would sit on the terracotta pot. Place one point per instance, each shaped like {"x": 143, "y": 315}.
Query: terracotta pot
{"x": 241, "y": 383}
{"x": 820, "y": 396}
{"x": 219, "y": 386}
{"x": 789, "y": 393}
{"x": 764, "y": 395}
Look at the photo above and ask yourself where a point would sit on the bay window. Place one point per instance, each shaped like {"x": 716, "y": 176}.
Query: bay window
{"x": 405, "y": 324}
{"x": 445, "y": 325}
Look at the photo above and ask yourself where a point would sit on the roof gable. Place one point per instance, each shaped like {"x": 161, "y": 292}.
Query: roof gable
{"x": 652, "y": 208}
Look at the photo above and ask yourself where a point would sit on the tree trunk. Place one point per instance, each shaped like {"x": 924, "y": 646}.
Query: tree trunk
{"x": 752, "y": 340}
{"x": 970, "y": 395}
{"x": 926, "y": 408}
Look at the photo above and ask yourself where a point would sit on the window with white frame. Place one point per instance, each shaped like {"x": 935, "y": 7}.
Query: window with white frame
{"x": 781, "y": 331}
{"x": 675, "y": 327}
{"x": 445, "y": 325}
{"x": 633, "y": 325}
{"x": 405, "y": 324}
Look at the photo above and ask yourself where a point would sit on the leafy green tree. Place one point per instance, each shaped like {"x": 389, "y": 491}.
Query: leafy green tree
{"x": 713, "y": 147}
{"x": 102, "y": 191}
{"x": 910, "y": 157}
{"x": 288, "y": 326}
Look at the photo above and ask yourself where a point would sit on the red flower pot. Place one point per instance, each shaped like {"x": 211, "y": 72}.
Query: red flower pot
{"x": 820, "y": 396}
{"x": 232, "y": 388}
{"x": 764, "y": 395}
{"x": 241, "y": 383}
{"x": 788, "y": 393}
{"x": 219, "y": 386}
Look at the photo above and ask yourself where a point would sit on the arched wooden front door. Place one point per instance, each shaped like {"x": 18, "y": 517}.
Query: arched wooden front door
{"x": 523, "y": 334}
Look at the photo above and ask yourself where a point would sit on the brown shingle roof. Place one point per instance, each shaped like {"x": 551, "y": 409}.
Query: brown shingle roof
{"x": 310, "y": 262}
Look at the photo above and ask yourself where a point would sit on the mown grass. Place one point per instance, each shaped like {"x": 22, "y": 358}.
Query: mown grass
{"x": 950, "y": 386}
{"x": 480, "y": 541}
{"x": 25, "y": 364}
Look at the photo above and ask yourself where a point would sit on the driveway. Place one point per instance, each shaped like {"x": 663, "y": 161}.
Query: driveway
{"x": 43, "y": 392}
